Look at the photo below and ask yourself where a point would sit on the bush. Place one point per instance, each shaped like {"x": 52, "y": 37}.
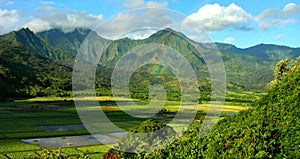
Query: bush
{"x": 139, "y": 145}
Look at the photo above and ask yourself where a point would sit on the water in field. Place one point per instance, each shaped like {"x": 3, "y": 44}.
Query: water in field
{"x": 72, "y": 141}
{"x": 62, "y": 127}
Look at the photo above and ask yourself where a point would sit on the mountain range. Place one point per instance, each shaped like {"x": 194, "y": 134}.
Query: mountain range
{"x": 39, "y": 64}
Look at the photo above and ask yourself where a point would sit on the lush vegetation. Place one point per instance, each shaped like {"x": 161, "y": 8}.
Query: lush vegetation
{"x": 41, "y": 64}
{"x": 270, "y": 130}
{"x": 33, "y": 65}
{"x": 264, "y": 51}
{"x": 21, "y": 119}
{"x": 24, "y": 73}
{"x": 135, "y": 144}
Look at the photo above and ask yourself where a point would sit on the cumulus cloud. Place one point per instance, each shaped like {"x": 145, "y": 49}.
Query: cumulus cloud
{"x": 131, "y": 4}
{"x": 229, "y": 39}
{"x": 9, "y": 20}
{"x": 277, "y": 37}
{"x": 65, "y": 20}
{"x": 214, "y": 17}
{"x": 141, "y": 23}
{"x": 278, "y": 18}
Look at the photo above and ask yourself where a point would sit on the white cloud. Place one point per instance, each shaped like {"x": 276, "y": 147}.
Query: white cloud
{"x": 141, "y": 33}
{"x": 277, "y": 37}
{"x": 129, "y": 22}
{"x": 9, "y": 20}
{"x": 288, "y": 11}
{"x": 214, "y": 17}
{"x": 229, "y": 40}
{"x": 114, "y": 28}
{"x": 278, "y": 18}
{"x": 65, "y": 20}
{"x": 131, "y": 4}
{"x": 38, "y": 25}
{"x": 266, "y": 25}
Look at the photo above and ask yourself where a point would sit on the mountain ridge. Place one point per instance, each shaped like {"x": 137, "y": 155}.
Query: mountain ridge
{"x": 244, "y": 69}
{"x": 166, "y": 29}
{"x": 71, "y": 41}
{"x": 265, "y": 51}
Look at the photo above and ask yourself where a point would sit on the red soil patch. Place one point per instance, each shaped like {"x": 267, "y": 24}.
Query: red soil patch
{"x": 109, "y": 108}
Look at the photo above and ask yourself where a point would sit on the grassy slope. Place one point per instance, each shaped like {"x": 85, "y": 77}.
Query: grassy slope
{"x": 272, "y": 129}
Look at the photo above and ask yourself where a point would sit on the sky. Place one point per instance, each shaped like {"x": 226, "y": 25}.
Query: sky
{"x": 239, "y": 22}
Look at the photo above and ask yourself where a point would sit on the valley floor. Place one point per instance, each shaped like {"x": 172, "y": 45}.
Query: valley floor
{"x": 35, "y": 120}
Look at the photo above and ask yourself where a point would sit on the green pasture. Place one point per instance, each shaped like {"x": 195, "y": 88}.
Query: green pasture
{"x": 20, "y": 119}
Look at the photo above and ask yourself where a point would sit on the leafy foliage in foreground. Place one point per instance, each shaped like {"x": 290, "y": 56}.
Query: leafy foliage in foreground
{"x": 56, "y": 154}
{"x": 270, "y": 130}
{"x": 155, "y": 135}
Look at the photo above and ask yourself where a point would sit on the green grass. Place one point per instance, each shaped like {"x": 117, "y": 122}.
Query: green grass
{"x": 21, "y": 119}
{"x": 17, "y": 121}
{"x": 22, "y": 155}
{"x": 2, "y": 156}
{"x": 70, "y": 151}
{"x": 94, "y": 149}
{"x": 97, "y": 155}
{"x": 11, "y": 145}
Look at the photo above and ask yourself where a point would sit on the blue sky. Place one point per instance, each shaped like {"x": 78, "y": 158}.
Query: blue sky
{"x": 242, "y": 23}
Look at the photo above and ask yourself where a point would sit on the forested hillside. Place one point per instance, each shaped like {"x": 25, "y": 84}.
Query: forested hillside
{"x": 265, "y": 51}
{"x": 24, "y": 73}
{"x": 30, "y": 41}
{"x": 55, "y": 50}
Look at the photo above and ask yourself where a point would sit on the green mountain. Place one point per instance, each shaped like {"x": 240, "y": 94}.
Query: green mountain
{"x": 268, "y": 51}
{"x": 28, "y": 39}
{"x": 265, "y": 51}
{"x": 243, "y": 71}
{"x": 24, "y": 73}
{"x": 166, "y": 37}
{"x": 69, "y": 41}
{"x": 32, "y": 66}
{"x": 247, "y": 69}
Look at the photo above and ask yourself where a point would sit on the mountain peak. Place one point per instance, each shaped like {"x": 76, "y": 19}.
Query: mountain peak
{"x": 168, "y": 31}
{"x": 26, "y": 37}
{"x": 16, "y": 36}
{"x": 167, "y": 35}
{"x": 25, "y": 30}
{"x": 82, "y": 31}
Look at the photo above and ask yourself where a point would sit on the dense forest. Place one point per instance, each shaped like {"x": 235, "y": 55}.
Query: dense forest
{"x": 23, "y": 73}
